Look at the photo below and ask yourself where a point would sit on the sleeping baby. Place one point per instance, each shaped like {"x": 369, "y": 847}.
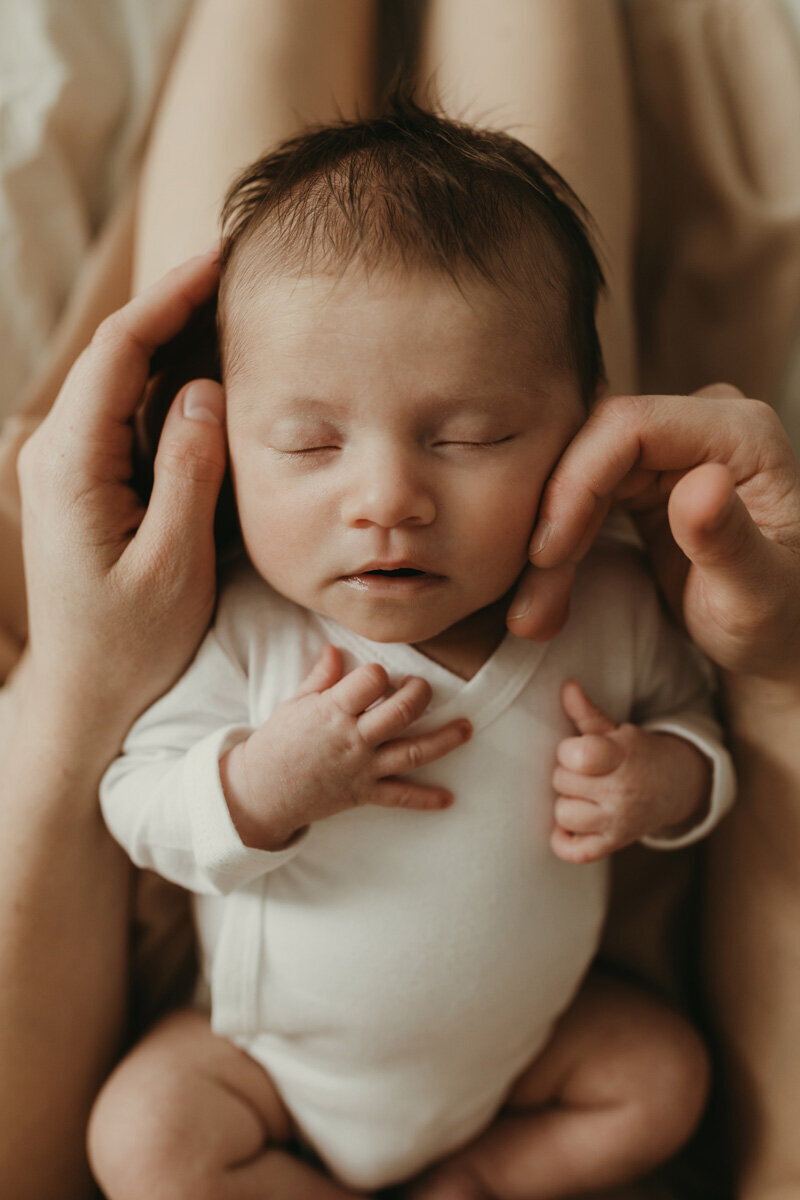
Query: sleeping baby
{"x": 396, "y": 818}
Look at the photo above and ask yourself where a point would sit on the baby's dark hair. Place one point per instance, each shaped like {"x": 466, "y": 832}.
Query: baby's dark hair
{"x": 413, "y": 189}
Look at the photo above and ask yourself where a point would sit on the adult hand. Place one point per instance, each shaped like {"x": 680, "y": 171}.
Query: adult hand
{"x": 714, "y": 488}
{"x": 119, "y": 596}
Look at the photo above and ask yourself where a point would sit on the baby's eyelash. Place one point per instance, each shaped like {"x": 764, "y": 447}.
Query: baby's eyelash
{"x": 495, "y": 442}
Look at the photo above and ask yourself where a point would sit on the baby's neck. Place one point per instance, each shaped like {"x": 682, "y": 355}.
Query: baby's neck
{"x": 465, "y": 647}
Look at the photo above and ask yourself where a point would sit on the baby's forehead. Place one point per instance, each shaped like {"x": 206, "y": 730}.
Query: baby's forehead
{"x": 365, "y": 306}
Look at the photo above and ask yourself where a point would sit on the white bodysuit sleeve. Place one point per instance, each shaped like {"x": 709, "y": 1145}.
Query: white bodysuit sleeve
{"x": 162, "y": 799}
{"x": 674, "y": 695}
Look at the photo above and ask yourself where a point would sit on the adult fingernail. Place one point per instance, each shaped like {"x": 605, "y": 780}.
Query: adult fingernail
{"x": 521, "y": 605}
{"x": 203, "y": 402}
{"x": 541, "y": 537}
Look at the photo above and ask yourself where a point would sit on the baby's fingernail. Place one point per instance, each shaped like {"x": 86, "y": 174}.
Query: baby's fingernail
{"x": 541, "y": 537}
{"x": 203, "y": 403}
{"x": 465, "y": 728}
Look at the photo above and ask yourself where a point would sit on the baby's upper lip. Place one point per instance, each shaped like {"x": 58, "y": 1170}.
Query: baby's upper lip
{"x": 392, "y": 564}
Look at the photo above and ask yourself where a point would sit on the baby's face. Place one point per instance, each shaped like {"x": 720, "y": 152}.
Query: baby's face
{"x": 389, "y": 441}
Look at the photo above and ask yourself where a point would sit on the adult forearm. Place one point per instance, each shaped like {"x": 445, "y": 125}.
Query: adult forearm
{"x": 752, "y": 951}
{"x": 64, "y": 908}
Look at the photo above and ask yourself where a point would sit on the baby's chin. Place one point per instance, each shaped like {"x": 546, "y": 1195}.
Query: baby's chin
{"x": 410, "y": 628}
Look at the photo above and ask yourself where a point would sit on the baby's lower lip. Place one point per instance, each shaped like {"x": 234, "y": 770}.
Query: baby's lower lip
{"x": 394, "y": 585}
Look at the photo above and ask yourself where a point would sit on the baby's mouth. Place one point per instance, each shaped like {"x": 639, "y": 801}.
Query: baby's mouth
{"x": 396, "y": 573}
{"x": 392, "y": 580}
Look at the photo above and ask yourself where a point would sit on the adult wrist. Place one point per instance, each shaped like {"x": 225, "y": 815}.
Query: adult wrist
{"x": 81, "y": 733}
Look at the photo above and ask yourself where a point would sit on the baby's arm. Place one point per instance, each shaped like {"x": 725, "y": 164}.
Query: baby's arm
{"x": 617, "y": 784}
{"x": 211, "y": 804}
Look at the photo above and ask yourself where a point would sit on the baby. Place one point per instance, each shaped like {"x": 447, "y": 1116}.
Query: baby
{"x": 395, "y": 817}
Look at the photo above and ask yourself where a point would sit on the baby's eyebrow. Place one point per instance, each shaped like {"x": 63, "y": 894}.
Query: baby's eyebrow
{"x": 434, "y": 405}
{"x": 301, "y": 406}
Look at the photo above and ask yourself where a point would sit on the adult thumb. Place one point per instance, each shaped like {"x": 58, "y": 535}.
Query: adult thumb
{"x": 715, "y": 531}
{"x": 189, "y": 467}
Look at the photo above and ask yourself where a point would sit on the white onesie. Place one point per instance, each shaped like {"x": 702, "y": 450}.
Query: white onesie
{"x": 394, "y": 971}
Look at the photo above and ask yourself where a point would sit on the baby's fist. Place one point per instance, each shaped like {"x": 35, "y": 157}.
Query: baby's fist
{"x": 616, "y": 783}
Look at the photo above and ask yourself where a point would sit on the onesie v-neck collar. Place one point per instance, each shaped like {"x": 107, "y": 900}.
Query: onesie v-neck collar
{"x": 492, "y": 688}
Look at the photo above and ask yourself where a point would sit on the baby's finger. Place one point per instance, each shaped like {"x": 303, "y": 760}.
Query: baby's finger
{"x": 591, "y": 754}
{"x": 327, "y": 671}
{"x": 360, "y": 688}
{"x": 399, "y": 793}
{"x": 397, "y": 711}
{"x": 583, "y": 712}
{"x": 581, "y": 787}
{"x": 580, "y": 816}
{"x": 406, "y": 754}
{"x": 579, "y": 848}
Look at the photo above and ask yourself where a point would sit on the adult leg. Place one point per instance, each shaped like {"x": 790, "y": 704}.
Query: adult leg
{"x": 553, "y": 73}
{"x": 188, "y": 1116}
{"x": 248, "y": 73}
{"x": 618, "y": 1089}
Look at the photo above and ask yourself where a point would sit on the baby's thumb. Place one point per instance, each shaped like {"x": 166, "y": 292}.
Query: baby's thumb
{"x": 583, "y": 712}
{"x": 189, "y": 467}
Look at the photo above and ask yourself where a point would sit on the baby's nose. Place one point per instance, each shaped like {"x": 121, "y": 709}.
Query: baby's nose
{"x": 388, "y": 490}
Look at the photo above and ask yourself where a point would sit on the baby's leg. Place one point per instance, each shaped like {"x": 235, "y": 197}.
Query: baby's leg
{"x": 618, "y": 1089}
{"x": 188, "y": 1116}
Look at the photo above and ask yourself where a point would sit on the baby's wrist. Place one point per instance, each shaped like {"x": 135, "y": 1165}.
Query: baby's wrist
{"x": 258, "y": 825}
{"x": 690, "y": 778}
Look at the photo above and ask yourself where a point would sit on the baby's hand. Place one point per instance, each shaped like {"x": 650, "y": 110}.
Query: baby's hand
{"x": 618, "y": 783}
{"x": 326, "y": 750}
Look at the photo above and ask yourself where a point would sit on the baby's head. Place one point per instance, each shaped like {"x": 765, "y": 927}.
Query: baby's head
{"x": 407, "y": 332}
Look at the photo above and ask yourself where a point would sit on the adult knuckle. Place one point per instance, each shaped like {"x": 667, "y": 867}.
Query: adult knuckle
{"x": 111, "y": 331}
{"x": 619, "y": 410}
